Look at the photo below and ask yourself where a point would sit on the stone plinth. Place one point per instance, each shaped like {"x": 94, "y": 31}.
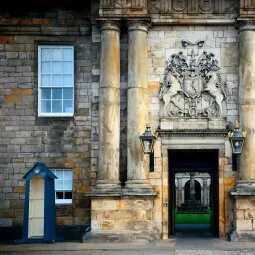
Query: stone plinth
{"x": 244, "y": 212}
{"x": 125, "y": 219}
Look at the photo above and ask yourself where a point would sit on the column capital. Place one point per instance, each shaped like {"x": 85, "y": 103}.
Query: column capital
{"x": 245, "y": 24}
{"x": 109, "y": 24}
{"x": 138, "y": 24}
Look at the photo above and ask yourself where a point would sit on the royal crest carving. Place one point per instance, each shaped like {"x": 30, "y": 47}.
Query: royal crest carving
{"x": 122, "y": 2}
{"x": 193, "y": 85}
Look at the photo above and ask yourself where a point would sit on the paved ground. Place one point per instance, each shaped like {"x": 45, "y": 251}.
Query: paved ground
{"x": 180, "y": 245}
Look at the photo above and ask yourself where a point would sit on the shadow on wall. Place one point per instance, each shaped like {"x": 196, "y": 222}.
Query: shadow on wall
{"x": 68, "y": 233}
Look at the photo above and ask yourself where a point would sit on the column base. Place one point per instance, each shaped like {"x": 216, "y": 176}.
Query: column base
{"x": 138, "y": 187}
{"x": 106, "y": 188}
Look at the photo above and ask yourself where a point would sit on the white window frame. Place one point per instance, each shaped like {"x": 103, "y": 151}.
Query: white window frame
{"x": 53, "y": 114}
{"x": 63, "y": 201}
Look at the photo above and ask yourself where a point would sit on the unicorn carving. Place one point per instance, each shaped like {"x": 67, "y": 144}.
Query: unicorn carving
{"x": 214, "y": 88}
{"x": 170, "y": 88}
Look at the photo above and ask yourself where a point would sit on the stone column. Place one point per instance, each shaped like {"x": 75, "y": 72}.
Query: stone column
{"x": 247, "y": 98}
{"x": 109, "y": 110}
{"x": 244, "y": 192}
{"x": 179, "y": 191}
{"x": 204, "y": 193}
{"x": 192, "y": 194}
{"x": 137, "y": 182}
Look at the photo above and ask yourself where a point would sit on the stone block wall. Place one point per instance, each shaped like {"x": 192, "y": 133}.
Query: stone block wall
{"x": 244, "y": 214}
{"x": 166, "y": 40}
{"x": 26, "y": 138}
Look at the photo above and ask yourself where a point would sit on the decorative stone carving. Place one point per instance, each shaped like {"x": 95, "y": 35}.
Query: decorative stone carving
{"x": 206, "y": 5}
{"x": 122, "y": 2}
{"x": 192, "y": 85}
{"x": 193, "y": 6}
{"x": 179, "y": 5}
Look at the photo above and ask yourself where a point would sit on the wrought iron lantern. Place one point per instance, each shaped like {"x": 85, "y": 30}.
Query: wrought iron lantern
{"x": 147, "y": 139}
{"x": 237, "y": 138}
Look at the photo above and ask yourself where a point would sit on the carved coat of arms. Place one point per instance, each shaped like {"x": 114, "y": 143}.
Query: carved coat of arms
{"x": 193, "y": 86}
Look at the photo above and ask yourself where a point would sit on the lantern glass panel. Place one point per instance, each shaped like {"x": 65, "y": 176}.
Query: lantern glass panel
{"x": 237, "y": 145}
{"x": 147, "y": 146}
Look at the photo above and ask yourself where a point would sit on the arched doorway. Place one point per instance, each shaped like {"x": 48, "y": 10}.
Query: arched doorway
{"x": 197, "y": 191}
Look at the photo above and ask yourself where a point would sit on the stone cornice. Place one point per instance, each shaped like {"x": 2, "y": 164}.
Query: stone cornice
{"x": 192, "y": 21}
{"x": 245, "y": 24}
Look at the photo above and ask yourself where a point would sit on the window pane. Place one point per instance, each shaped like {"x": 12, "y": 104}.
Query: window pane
{"x": 56, "y": 93}
{"x": 46, "y": 67}
{"x": 56, "y": 67}
{"x": 56, "y": 106}
{"x": 46, "y": 106}
{"x": 68, "y": 93}
{"x": 67, "y": 54}
{"x": 68, "y": 105}
{"x": 68, "y": 175}
{"x": 67, "y": 80}
{"x": 46, "y": 93}
{"x": 56, "y": 54}
{"x": 59, "y": 174}
{"x": 58, "y": 184}
{"x": 56, "y": 80}
{"x": 68, "y": 67}
{"x": 59, "y": 195}
{"x": 46, "y": 54}
{"x": 68, "y": 195}
{"x": 67, "y": 185}
{"x": 45, "y": 80}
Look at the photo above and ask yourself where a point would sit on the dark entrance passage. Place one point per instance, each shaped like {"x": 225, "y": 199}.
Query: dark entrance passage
{"x": 193, "y": 182}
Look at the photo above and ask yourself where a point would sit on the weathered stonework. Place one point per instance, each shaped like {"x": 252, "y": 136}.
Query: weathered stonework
{"x": 130, "y": 219}
{"x": 244, "y": 192}
{"x": 121, "y": 52}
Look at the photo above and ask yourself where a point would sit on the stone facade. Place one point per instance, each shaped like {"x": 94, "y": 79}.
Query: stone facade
{"x": 122, "y": 52}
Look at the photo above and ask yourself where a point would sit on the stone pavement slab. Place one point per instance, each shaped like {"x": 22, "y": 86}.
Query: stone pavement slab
{"x": 173, "y": 246}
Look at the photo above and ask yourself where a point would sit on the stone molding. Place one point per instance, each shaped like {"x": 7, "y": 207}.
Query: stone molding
{"x": 192, "y": 133}
{"x": 138, "y": 24}
{"x": 245, "y": 24}
{"x": 244, "y": 188}
{"x": 96, "y": 193}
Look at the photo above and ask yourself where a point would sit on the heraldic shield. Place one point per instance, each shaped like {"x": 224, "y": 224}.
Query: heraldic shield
{"x": 193, "y": 86}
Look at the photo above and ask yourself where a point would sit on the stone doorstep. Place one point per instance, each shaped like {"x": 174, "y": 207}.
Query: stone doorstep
{"x": 119, "y": 237}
